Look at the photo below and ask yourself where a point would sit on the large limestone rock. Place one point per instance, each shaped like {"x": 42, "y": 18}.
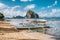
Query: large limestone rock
{"x": 31, "y": 14}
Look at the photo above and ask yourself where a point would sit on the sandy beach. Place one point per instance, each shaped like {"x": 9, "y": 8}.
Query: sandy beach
{"x": 7, "y": 32}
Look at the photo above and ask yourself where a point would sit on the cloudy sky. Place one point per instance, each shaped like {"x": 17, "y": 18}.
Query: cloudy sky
{"x": 45, "y": 8}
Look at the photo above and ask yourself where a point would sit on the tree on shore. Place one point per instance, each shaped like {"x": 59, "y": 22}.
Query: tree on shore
{"x": 1, "y": 16}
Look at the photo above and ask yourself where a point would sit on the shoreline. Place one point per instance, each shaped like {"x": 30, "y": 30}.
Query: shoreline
{"x": 9, "y": 34}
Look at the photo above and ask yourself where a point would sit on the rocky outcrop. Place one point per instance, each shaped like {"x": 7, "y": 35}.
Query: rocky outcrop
{"x": 31, "y": 14}
{"x": 1, "y": 16}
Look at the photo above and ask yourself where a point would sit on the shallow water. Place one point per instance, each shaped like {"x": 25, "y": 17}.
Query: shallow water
{"x": 54, "y": 30}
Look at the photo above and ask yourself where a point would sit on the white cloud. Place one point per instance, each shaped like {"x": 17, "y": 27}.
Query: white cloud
{"x": 10, "y": 11}
{"x": 2, "y": 6}
{"x": 13, "y": 0}
{"x": 53, "y": 13}
{"x": 32, "y": 6}
{"x": 49, "y": 14}
{"x": 15, "y": 7}
{"x": 25, "y": 0}
{"x": 55, "y": 3}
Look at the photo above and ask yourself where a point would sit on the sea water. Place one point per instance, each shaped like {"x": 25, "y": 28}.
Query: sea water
{"x": 54, "y": 30}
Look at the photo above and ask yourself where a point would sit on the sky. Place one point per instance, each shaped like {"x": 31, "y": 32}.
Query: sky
{"x": 44, "y": 8}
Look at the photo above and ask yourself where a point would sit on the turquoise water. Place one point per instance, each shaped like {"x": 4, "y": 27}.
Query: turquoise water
{"x": 58, "y": 18}
{"x": 47, "y": 18}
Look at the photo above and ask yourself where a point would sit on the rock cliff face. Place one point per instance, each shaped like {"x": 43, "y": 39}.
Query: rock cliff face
{"x": 31, "y": 14}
